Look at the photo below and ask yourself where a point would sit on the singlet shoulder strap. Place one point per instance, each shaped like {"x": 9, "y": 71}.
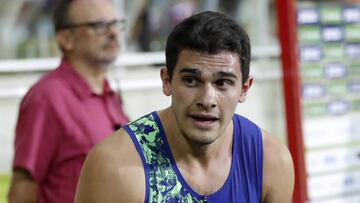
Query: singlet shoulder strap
{"x": 162, "y": 183}
{"x": 250, "y": 152}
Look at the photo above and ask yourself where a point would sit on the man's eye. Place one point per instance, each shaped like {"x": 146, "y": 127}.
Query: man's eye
{"x": 99, "y": 25}
{"x": 190, "y": 81}
{"x": 223, "y": 83}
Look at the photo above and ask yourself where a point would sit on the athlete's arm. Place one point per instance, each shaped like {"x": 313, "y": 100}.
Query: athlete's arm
{"x": 23, "y": 187}
{"x": 278, "y": 175}
{"x": 112, "y": 173}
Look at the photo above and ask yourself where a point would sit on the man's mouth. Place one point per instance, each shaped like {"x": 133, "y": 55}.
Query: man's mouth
{"x": 203, "y": 121}
{"x": 113, "y": 45}
{"x": 203, "y": 118}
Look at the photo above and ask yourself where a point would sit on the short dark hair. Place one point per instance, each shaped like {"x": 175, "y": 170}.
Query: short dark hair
{"x": 61, "y": 16}
{"x": 209, "y": 32}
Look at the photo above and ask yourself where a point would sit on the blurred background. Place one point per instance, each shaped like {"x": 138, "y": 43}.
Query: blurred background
{"x": 328, "y": 34}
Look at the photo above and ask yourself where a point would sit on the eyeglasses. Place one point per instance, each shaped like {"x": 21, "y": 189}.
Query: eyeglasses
{"x": 100, "y": 27}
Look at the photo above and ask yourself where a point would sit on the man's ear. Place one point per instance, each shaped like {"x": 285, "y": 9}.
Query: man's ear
{"x": 166, "y": 82}
{"x": 65, "y": 40}
{"x": 245, "y": 88}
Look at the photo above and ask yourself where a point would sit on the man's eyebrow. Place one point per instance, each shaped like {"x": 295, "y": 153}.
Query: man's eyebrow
{"x": 190, "y": 70}
{"x": 225, "y": 74}
{"x": 197, "y": 72}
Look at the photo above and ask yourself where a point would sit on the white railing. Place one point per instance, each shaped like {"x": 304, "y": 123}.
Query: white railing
{"x": 46, "y": 64}
{"x": 124, "y": 60}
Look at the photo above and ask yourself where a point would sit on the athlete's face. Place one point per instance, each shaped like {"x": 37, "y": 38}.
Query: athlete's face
{"x": 205, "y": 90}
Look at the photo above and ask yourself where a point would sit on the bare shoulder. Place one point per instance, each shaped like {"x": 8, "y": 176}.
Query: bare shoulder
{"x": 112, "y": 172}
{"x": 278, "y": 175}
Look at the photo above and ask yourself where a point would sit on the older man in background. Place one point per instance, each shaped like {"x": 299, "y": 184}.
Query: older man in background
{"x": 71, "y": 108}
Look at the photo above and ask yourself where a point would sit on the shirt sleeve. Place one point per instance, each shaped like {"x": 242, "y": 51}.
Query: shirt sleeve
{"x": 35, "y": 139}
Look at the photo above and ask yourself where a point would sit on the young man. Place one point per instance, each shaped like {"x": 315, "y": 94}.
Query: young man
{"x": 196, "y": 150}
{"x": 69, "y": 109}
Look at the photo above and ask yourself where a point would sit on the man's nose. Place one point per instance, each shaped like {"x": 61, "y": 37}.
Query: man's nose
{"x": 112, "y": 30}
{"x": 207, "y": 97}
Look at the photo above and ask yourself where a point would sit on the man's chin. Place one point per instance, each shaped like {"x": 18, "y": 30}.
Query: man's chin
{"x": 106, "y": 62}
{"x": 109, "y": 57}
{"x": 201, "y": 140}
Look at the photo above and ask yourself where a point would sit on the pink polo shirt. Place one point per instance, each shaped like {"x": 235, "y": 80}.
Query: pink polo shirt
{"x": 60, "y": 119}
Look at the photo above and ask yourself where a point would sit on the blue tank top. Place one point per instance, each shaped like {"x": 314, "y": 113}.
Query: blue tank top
{"x": 164, "y": 182}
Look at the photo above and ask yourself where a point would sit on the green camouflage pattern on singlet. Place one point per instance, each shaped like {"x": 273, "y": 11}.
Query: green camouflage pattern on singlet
{"x": 164, "y": 185}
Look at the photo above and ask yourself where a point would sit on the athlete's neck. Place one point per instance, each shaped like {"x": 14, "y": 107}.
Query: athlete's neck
{"x": 185, "y": 150}
{"x": 204, "y": 167}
